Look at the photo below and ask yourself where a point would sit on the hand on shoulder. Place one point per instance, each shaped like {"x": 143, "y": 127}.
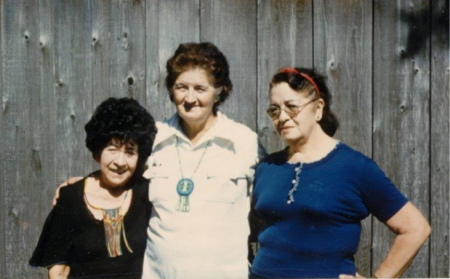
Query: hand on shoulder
{"x": 69, "y": 181}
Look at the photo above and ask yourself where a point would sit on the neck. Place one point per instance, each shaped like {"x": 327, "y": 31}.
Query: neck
{"x": 113, "y": 191}
{"x": 311, "y": 149}
{"x": 195, "y": 131}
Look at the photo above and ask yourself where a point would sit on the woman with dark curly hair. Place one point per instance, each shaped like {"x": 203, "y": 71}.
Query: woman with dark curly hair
{"x": 313, "y": 195}
{"x": 200, "y": 173}
{"x": 98, "y": 227}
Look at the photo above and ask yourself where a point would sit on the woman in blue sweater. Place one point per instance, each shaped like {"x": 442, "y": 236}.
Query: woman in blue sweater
{"x": 313, "y": 195}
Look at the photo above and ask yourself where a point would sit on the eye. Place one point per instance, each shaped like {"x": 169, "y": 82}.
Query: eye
{"x": 180, "y": 87}
{"x": 273, "y": 110}
{"x": 111, "y": 148}
{"x": 200, "y": 89}
{"x": 131, "y": 153}
{"x": 292, "y": 107}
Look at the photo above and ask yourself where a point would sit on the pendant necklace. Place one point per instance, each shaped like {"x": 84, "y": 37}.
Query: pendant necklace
{"x": 185, "y": 186}
{"x": 114, "y": 228}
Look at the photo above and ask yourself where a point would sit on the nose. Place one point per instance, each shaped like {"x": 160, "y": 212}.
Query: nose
{"x": 120, "y": 159}
{"x": 190, "y": 97}
{"x": 283, "y": 117}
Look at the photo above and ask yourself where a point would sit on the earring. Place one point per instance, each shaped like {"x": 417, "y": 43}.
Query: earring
{"x": 318, "y": 118}
{"x": 217, "y": 98}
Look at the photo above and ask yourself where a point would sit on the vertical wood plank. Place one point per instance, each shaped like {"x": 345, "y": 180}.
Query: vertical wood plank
{"x": 166, "y": 28}
{"x": 343, "y": 51}
{"x": 73, "y": 86}
{"x": 21, "y": 98}
{"x": 231, "y": 26}
{"x": 2, "y": 152}
{"x": 285, "y": 38}
{"x": 440, "y": 72}
{"x": 118, "y": 43}
{"x": 43, "y": 115}
{"x": 402, "y": 111}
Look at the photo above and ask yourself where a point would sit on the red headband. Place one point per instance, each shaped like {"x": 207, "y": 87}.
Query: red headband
{"x": 305, "y": 76}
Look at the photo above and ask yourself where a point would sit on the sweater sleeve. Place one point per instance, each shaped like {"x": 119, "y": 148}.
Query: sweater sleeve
{"x": 57, "y": 234}
{"x": 379, "y": 194}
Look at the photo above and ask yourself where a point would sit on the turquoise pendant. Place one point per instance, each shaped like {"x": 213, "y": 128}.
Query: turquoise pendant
{"x": 184, "y": 188}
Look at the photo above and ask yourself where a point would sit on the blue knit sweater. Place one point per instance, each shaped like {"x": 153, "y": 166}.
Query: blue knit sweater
{"x": 318, "y": 234}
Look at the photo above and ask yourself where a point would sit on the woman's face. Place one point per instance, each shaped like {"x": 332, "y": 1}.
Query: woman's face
{"x": 297, "y": 126}
{"x": 117, "y": 163}
{"x": 194, "y": 96}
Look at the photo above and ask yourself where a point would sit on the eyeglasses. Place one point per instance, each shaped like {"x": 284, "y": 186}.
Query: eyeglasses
{"x": 292, "y": 110}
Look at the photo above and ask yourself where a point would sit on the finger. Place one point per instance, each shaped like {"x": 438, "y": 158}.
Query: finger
{"x": 55, "y": 197}
{"x": 73, "y": 180}
{"x": 345, "y": 276}
{"x": 359, "y": 275}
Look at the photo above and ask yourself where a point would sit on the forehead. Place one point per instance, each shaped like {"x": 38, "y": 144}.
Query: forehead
{"x": 123, "y": 143}
{"x": 194, "y": 76}
{"x": 282, "y": 92}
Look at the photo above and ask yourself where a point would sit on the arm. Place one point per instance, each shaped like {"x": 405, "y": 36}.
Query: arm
{"x": 412, "y": 230}
{"x": 59, "y": 271}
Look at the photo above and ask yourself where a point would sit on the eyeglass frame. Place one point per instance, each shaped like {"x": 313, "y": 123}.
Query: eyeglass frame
{"x": 290, "y": 113}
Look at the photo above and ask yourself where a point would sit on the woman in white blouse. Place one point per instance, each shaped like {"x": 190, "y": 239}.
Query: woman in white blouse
{"x": 200, "y": 175}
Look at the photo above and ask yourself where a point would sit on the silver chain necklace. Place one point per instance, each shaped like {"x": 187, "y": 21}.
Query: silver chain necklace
{"x": 295, "y": 181}
{"x": 185, "y": 186}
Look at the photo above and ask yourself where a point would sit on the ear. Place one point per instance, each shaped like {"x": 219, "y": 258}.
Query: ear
{"x": 97, "y": 158}
{"x": 217, "y": 92}
{"x": 319, "y": 109}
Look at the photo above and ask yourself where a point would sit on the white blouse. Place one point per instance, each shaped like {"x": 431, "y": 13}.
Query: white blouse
{"x": 210, "y": 240}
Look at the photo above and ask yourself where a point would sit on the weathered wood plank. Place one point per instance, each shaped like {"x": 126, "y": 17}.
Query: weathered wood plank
{"x": 43, "y": 129}
{"x": 285, "y": 38}
{"x": 343, "y": 51}
{"x": 118, "y": 42}
{"x": 231, "y": 26}
{"x": 402, "y": 111}
{"x": 73, "y": 86}
{"x": 21, "y": 96}
{"x": 440, "y": 72}
{"x": 166, "y": 28}
{"x": 2, "y": 152}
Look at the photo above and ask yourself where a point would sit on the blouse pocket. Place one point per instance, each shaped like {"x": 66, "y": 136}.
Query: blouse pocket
{"x": 228, "y": 185}
{"x": 160, "y": 187}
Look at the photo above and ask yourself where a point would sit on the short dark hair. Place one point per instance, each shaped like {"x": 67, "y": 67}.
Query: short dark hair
{"x": 329, "y": 122}
{"x": 205, "y": 56}
{"x": 121, "y": 119}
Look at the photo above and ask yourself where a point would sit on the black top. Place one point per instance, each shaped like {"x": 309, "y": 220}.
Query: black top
{"x": 72, "y": 236}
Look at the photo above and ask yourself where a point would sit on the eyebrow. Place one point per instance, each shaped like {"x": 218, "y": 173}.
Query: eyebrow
{"x": 194, "y": 85}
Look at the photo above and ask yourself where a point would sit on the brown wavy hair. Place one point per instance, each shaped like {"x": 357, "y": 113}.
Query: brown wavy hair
{"x": 205, "y": 56}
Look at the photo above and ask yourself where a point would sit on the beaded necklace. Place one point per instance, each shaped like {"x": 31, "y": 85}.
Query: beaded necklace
{"x": 114, "y": 227}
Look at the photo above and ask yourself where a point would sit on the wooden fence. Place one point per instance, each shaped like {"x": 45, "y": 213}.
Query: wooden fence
{"x": 387, "y": 63}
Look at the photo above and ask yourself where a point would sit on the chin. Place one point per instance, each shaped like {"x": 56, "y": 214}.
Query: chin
{"x": 117, "y": 182}
{"x": 192, "y": 116}
{"x": 287, "y": 138}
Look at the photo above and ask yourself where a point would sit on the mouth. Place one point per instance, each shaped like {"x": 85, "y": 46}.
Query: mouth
{"x": 285, "y": 128}
{"x": 190, "y": 107}
{"x": 119, "y": 172}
